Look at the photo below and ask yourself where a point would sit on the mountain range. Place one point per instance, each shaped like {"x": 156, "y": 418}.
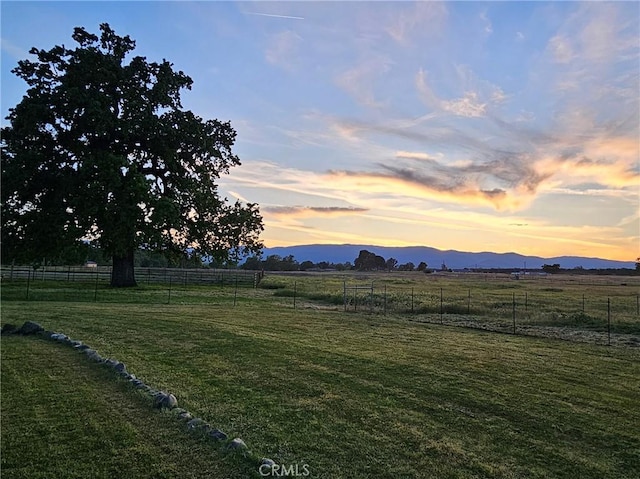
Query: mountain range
{"x": 334, "y": 253}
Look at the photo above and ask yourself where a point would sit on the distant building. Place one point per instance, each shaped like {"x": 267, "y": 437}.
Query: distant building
{"x": 91, "y": 264}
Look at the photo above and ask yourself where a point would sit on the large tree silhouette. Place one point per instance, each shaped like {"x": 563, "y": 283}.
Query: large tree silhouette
{"x": 101, "y": 149}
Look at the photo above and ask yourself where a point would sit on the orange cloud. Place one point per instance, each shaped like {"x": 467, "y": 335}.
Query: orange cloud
{"x": 407, "y": 183}
{"x": 311, "y": 211}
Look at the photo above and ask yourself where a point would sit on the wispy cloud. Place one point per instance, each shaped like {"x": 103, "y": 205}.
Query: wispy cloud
{"x": 283, "y": 48}
{"x": 417, "y": 18}
{"x": 291, "y": 17}
{"x": 487, "y": 27}
{"x": 12, "y": 50}
{"x": 360, "y": 80}
{"x": 468, "y": 105}
{"x": 312, "y": 211}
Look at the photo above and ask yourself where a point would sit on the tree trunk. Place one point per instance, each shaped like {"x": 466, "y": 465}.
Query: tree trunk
{"x": 122, "y": 274}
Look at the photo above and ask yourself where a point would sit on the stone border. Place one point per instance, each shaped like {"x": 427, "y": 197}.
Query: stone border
{"x": 161, "y": 399}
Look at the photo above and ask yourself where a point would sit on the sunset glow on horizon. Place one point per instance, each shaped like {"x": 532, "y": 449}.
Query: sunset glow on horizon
{"x": 474, "y": 126}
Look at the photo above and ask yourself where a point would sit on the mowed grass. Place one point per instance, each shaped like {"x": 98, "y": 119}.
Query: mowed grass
{"x": 349, "y": 396}
{"x": 63, "y": 417}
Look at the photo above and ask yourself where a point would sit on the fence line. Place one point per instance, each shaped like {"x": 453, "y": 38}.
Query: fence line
{"x": 540, "y": 311}
{"x": 611, "y": 311}
{"x": 222, "y": 277}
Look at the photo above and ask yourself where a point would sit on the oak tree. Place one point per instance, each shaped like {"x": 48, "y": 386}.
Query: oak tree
{"x": 101, "y": 150}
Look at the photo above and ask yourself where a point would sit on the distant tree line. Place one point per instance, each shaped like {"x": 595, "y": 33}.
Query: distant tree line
{"x": 275, "y": 262}
{"x": 366, "y": 261}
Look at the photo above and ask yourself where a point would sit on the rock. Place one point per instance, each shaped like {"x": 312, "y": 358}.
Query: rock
{"x": 59, "y": 336}
{"x": 158, "y": 399}
{"x": 120, "y": 367}
{"x": 170, "y": 401}
{"x": 165, "y": 400}
{"x": 218, "y": 435}
{"x": 237, "y": 445}
{"x": 185, "y": 416}
{"x": 266, "y": 464}
{"x": 181, "y": 414}
{"x": 8, "y": 329}
{"x": 30, "y": 327}
{"x": 82, "y": 347}
{"x": 93, "y": 355}
{"x": 196, "y": 423}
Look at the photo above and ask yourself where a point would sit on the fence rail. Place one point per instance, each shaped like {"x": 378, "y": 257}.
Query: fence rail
{"x": 143, "y": 275}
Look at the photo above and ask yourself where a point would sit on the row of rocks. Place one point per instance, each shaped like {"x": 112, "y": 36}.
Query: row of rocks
{"x": 161, "y": 399}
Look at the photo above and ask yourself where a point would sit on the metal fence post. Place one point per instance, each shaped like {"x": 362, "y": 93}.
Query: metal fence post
{"x": 385, "y": 299}
{"x": 235, "y": 293}
{"x": 514, "y": 313}
{"x": 609, "y": 321}
{"x": 355, "y": 300}
{"x": 28, "y": 282}
{"x": 371, "y": 305}
{"x": 411, "y": 299}
{"x": 344, "y": 294}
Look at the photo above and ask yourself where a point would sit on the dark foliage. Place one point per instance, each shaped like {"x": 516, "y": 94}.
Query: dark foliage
{"x": 100, "y": 148}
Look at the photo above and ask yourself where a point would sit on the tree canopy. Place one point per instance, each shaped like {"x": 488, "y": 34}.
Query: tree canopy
{"x": 367, "y": 261}
{"x": 100, "y": 149}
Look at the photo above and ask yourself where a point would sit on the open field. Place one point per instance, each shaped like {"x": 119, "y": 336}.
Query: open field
{"x": 348, "y": 395}
{"x": 580, "y": 308}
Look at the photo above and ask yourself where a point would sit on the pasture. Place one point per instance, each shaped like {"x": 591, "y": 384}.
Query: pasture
{"x": 349, "y": 394}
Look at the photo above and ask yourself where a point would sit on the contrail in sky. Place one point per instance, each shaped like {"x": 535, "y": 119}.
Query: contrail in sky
{"x": 274, "y": 16}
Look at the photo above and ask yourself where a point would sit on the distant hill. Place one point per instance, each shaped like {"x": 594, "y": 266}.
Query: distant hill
{"x": 435, "y": 257}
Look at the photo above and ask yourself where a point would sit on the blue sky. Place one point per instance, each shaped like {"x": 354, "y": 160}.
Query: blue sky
{"x": 501, "y": 126}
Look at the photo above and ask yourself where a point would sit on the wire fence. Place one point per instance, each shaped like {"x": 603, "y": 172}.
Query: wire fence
{"x": 564, "y": 309}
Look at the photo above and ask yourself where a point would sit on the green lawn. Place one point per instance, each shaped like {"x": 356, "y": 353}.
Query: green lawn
{"x": 63, "y": 417}
{"x": 350, "y": 396}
